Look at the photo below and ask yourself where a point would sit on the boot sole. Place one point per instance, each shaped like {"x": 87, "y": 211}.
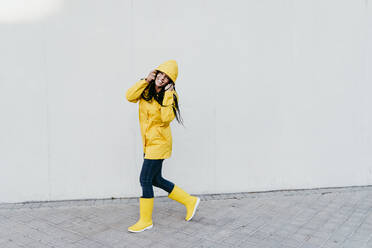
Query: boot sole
{"x": 149, "y": 227}
{"x": 196, "y": 206}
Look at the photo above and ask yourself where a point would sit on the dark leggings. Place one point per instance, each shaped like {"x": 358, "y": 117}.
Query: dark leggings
{"x": 151, "y": 175}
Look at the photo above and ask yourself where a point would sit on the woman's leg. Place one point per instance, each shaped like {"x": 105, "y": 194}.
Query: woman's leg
{"x": 148, "y": 171}
{"x": 146, "y": 202}
{"x": 161, "y": 182}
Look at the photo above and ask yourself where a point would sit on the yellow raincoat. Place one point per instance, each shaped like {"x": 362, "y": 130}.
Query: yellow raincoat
{"x": 155, "y": 119}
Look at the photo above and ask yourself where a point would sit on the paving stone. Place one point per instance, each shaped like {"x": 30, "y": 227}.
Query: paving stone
{"x": 340, "y": 217}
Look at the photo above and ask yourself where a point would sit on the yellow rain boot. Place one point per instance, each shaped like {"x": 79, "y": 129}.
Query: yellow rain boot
{"x": 190, "y": 202}
{"x": 145, "y": 221}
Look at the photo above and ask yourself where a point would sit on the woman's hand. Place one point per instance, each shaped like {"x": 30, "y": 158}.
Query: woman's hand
{"x": 151, "y": 76}
{"x": 169, "y": 87}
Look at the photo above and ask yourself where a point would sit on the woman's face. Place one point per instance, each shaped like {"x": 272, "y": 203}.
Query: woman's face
{"x": 161, "y": 79}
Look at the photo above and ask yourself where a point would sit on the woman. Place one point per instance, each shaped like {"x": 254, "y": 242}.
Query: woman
{"x": 158, "y": 106}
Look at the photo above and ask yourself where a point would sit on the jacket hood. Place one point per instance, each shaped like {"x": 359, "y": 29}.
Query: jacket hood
{"x": 170, "y": 68}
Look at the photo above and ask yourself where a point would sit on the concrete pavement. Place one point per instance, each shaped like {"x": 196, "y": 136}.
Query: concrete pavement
{"x": 316, "y": 218}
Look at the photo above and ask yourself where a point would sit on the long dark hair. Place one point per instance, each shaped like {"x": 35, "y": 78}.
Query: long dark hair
{"x": 149, "y": 93}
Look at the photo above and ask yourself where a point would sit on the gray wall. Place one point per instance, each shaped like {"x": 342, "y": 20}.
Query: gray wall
{"x": 274, "y": 94}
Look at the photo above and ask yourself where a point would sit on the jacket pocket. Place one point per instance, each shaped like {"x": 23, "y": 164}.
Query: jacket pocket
{"x": 154, "y": 136}
{"x": 161, "y": 133}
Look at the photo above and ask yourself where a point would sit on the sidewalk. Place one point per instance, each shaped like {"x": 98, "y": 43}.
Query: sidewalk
{"x": 317, "y": 218}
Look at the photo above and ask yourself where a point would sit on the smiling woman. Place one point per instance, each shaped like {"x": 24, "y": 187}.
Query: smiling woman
{"x": 30, "y": 10}
{"x": 163, "y": 80}
{"x": 158, "y": 106}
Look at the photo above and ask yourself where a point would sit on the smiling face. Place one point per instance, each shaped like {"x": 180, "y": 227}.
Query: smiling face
{"x": 161, "y": 79}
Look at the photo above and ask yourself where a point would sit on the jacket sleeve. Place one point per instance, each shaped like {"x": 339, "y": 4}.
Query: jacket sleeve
{"x": 167, "y": 114}
{"x": 134, "y": 93}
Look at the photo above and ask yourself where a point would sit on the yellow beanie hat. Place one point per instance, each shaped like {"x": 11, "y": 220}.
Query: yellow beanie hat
{"x": 170, "y": 68}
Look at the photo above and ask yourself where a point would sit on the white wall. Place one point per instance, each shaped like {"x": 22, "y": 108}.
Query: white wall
{"x": 274, "y": 94}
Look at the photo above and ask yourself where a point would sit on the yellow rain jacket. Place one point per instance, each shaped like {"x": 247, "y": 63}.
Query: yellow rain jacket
{"x": 155, "y": 119}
